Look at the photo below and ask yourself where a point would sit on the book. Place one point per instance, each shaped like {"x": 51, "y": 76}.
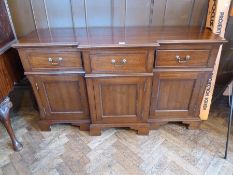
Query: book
{"x": 218, "y": 15}
{"x": 217, "y": 18}
{"x": 231, "y": 13}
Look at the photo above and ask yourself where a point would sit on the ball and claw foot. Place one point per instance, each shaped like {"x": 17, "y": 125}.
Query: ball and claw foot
{"x": 5, "y": 120}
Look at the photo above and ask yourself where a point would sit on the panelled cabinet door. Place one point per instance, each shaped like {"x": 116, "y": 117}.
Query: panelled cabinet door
{"x": 177, "y": 95}
{"x": 62, "y": 96}
{"x": 121, "y": 99}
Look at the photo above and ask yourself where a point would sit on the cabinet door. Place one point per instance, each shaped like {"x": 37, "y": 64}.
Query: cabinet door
{"x": 177, "y": 95}
{"x": 62, "y": 97}
{"x": 121, "y": 99}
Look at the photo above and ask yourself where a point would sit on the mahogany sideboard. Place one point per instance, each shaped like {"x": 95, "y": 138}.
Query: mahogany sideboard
{"x": 136, "y": 77}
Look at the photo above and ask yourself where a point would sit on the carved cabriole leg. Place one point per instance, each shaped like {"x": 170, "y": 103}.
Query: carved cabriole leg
{"x": 5, "y": 120}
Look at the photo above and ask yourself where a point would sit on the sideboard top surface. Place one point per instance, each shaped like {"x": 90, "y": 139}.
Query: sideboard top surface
{"x": 117, "y": 37}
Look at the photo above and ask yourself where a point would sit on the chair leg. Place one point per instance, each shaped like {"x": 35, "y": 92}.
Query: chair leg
{"x": 5, "y": 120}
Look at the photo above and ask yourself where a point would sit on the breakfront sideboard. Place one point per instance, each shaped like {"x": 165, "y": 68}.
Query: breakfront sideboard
{"x": 134, "y": 77}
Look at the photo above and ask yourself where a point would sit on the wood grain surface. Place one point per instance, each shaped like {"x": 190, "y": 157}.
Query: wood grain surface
{"x": 118, "y": 64}
{"x": 11, "y": 71}
{"x": 100, "y": 37}
{"x": 6, "y": 32}
{"x": 172, "y": 149}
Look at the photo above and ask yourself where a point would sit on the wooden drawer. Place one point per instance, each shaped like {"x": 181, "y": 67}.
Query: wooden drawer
{"x": 131, "y": 60}
{"x": 41, "y": 59}
{"x": 182, "y": 58}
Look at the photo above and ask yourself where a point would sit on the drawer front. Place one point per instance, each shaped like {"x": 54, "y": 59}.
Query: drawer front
{"x": 41, "y": 59}
{"x": 182, "y": 58}
{"x": 119, "y": 61}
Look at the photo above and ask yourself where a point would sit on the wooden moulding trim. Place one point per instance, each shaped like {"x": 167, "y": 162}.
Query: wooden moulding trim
{"x": 191, "y": 41}
{"x": 181, "y": 69}
{"x": 6, "y": 47}
{"x": 119, "y": 75}
{"x": 118, "y": 45}
{"x": 109, "y": 125}
{"x": 28, "y": 45}
{"x": 50, "y": 122}
{"x": 55, "y": 72}
{"x": 80, "y": 46}
{"x": 167, "y": 119}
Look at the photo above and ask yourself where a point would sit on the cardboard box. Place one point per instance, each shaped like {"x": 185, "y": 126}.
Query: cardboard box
{"x": 216, "y": 20}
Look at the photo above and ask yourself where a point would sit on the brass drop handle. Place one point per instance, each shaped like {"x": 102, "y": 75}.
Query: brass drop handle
{"x": 37, "y": 87}
{"x": 55, "y": 62}
{"x": 183, "y": 60}
{"x": 122, "y": 62}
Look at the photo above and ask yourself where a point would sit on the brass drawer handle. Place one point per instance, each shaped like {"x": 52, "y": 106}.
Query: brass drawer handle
{"x": 55, "y": 62}
{"x": 122, "y": 62}
{"x": 183, "y": 60}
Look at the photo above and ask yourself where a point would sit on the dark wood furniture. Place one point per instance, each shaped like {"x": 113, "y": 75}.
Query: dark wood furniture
{"x": 9, "y": 73}
{"x": 136, "y": 77}
{"x": 9, "y": 70}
